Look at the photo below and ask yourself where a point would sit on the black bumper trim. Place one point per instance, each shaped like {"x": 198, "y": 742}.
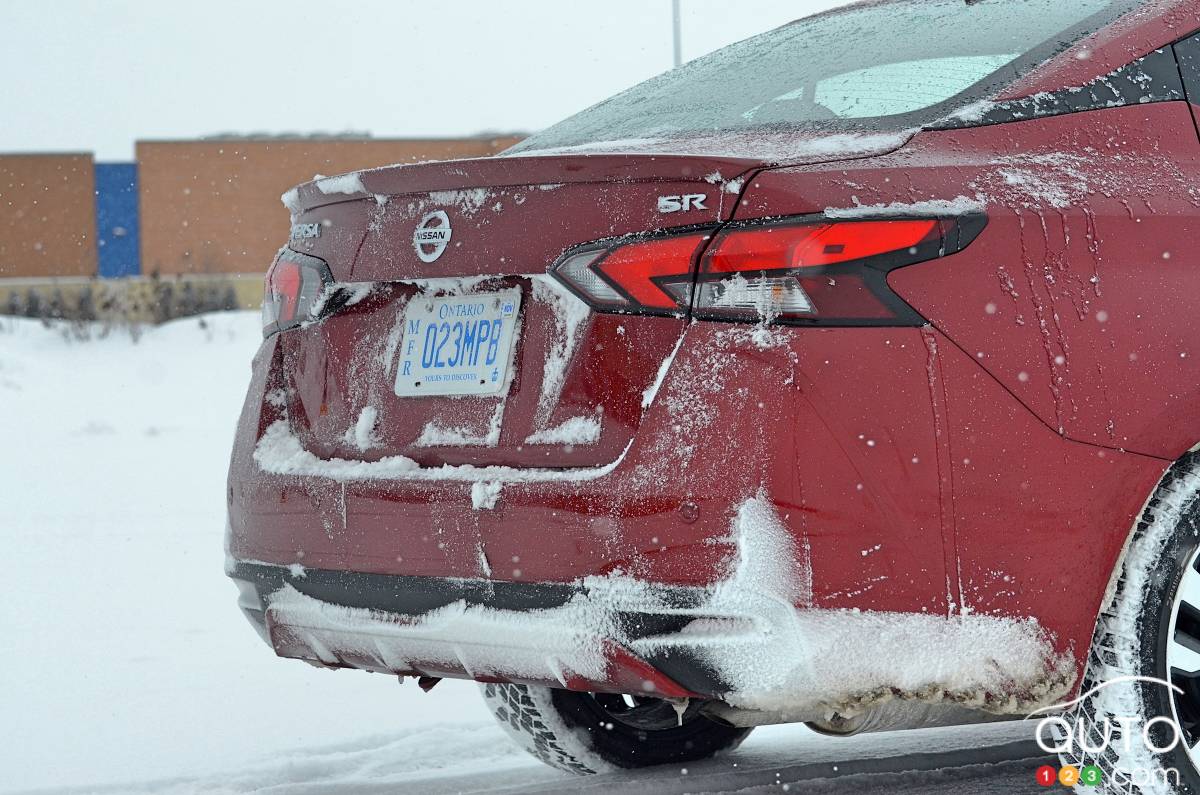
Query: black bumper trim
{"x": 415, "y": 596}
{"x": 404, "y": 595}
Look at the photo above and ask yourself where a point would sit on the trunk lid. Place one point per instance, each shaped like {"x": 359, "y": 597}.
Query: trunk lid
{"x": 579, "y": 380}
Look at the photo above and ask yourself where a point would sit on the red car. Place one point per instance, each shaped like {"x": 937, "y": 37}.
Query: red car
{"x": 848, "y": 375}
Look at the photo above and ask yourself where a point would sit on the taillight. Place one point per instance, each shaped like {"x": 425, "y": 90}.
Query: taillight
{"x": 807, "y": 270}
{"x": 651, "y": 275}
{"x": 814, "y": 271}
{"x": 294, "y": 286}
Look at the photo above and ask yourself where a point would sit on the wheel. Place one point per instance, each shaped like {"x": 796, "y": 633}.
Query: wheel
{"x": 586, "y": 733}
{"x": 1141, "y": 725}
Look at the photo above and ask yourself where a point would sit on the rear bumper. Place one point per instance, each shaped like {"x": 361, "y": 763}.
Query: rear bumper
{"x": 479, "y": 629}
{"x": 742, "y": 642}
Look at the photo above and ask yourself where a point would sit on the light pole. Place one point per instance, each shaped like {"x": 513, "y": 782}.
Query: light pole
{"x": 678, "y": 30}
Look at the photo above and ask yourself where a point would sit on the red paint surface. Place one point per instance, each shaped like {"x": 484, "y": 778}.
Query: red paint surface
{"x": 962, "y": 465}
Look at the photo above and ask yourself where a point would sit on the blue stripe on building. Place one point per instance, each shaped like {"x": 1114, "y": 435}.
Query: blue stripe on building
{"x": 117, "y": 241}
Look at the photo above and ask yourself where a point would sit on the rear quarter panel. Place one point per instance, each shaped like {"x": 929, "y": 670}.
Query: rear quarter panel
{"x": 1080, "y": 296}
{"x": 1066, "y": 339}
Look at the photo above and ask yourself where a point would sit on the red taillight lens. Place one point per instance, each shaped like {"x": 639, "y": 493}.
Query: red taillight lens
{"x": 648, "y": 275}
{"x": 820, "y": 271}
{"x": 808, "y": 270}
{"x": 772, "y": 248}
{"x": 294, "y": 284}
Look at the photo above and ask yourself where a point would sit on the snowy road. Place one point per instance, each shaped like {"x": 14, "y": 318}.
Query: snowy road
{"x": 973, "y": 760}
{"x": 129, "y": 669}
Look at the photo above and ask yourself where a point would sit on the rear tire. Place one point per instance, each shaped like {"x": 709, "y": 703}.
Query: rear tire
{"x": 584, "y": 733}
{"x": 1140, "y": 633}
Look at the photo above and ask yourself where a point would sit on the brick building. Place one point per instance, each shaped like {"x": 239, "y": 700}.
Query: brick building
{"x": 47, "y": 215}
{"x": 185, "y": 207}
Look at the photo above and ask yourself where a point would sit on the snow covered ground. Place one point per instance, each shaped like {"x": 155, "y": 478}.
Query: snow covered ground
{"x": 127, "y": 658}
{"x": 128, "y": 667}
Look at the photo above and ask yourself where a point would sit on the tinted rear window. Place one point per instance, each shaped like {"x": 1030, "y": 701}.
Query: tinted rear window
{"x": 872, "y": 67}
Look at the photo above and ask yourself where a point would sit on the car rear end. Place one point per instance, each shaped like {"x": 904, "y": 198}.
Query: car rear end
{"x": 636, "y": 421}
{"x": 459, "y": 426}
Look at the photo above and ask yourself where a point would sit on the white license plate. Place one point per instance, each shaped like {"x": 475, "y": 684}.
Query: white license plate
{"x": 458, "y": 345}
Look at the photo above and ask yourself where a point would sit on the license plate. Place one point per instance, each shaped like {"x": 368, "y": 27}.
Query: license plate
{"x": 458, "y": 345}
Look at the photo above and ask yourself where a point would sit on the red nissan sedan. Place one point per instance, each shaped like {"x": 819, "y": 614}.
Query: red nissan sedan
{"x": 849, "y": 375}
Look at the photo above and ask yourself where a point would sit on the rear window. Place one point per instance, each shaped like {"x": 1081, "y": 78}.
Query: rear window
{"x": 871, "y": 67}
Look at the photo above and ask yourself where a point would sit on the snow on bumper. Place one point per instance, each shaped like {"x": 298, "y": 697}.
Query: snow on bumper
{"x": 575, "y": 645}
{"x": 753, "y": 640}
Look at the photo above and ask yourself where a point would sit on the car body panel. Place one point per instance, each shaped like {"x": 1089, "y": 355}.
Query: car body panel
{"x": 988, "y": 464}
{"x": 1078, "y": 194}
{"x": 565, "y": 371}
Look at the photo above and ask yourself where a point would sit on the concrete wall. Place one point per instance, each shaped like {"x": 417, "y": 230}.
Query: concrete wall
{"x": 47, "y": 215}
{"x": 213, "y": 206}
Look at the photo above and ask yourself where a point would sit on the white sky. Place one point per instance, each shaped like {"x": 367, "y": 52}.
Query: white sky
{"x": 87, "y": 75}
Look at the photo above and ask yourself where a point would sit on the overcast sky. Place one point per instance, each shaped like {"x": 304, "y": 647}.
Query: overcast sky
{"x": 96, "y": 76}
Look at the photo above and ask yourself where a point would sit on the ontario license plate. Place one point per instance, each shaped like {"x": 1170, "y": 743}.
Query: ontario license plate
{"x": 458, "y": 345}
